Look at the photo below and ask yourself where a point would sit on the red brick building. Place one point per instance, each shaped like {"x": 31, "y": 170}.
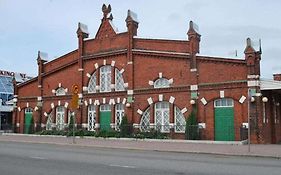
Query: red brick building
{"x": 156, "y": 83}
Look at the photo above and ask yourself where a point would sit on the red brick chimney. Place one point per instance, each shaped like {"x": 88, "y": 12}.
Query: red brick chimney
{"x": 277, "y": 77}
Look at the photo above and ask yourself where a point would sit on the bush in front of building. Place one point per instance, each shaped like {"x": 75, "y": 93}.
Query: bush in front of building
{"x": 191, "y": 129}
{"x": 152, "y": 134}
{"x": 125, "y": 128}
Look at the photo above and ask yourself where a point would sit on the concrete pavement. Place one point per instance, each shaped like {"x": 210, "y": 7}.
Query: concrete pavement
{"x": 205, "y": 147}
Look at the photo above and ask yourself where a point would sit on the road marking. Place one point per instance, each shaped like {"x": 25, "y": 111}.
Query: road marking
{"x": 39, "y": 158}
{"x": 122, "y": 166}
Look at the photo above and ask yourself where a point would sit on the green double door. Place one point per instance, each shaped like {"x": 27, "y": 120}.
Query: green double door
{"x": 105, "y": 117}
{"x": 28, "y": 122}
{"x": 224, "y": 124}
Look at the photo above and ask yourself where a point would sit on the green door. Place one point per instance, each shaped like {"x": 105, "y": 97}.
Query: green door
{"x": 28, "y": 121}
{"x": 224, "y": 124}
{"x": 105, "y": 117}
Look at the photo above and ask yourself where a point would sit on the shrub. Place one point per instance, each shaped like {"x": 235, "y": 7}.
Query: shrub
{"x": 125, "y": 128}
{"x": 191, "y": 129}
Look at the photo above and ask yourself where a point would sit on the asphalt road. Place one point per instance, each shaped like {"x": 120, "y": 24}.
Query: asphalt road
{"x": 45, "y": 159}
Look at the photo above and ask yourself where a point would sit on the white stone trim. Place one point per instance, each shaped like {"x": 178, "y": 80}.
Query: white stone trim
{"x": 221, "y": 94}
{"x": 172, "y": 99}
{"x": 126, "y": 85}
{"x": 97, "y": 125}
{"x": 80, "y": 69}
{"x": 253, "y": 83}
{"x": 245, "y": 125}
{"x": 112, "y": 63}
{"x": 19, "y": 109}
{"x": 18, "y": 124}
{"x": 193, "y": 70}
{"x": 97, "y": 102}
{"x": 97, "y": 87}
{"x": 161, "y": 97}
{"x": 90, "y": 101}
{"x": 52, "y": 105}
{"x": 84, "y": 125}
{"x": 85, "y": 88}
{"x": 88, "y": 75}
{"x": 36, "y": 108}
{"x": 242, "y": 99}
{"x": 130, "y": 92}
{"x": 152, "y": 125}
{"x": 194, "y": 87}
{"x": 96, "y": 65}
{"x": 150, "y": 101}
{"x": 104, "y": 62}
{"x": 66, "y": 90}
{"x": 39, "y": 98}
{"x": 112, "y": 86}
{"x": 59, "y": 85}
{"x": 136, "y": 125}
{"x": 130, "y": 62}
{"x": 124, "y": 101}
{"x": 160, "y": 74}
{"x": 103, "y": 100}
{"x": 53, "y": 91}
{"x": 139, "y": 112}
{"x": 66, "y": 104}
{"x": 112, "y": 125}
{"x": 112, "y": 102}
{"x": 151, "y": 83}
{"x": 171, "y": 80}
{"x": 27, "y": 104}
{"x": 43, "y": 125}
{"x": 184, "y": 110}
{"x": 122, "y": 71}
{"x": 59, "y": 103}
{"x": 204, "y": 101}
{"x": 45, "y": 114}
{"x": 252, "y": 76}
{"x": 86, "y": 103}
{"x": 202, "y": 125}
{"x": 118, "y": 100}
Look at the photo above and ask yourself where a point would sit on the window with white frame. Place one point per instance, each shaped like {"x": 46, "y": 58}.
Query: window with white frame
{"x": 60, "y": 91}
{"x": 92, "y": 83}
{"x": 179, "y": 120}
{"x": 224, "y": 102}
{"x": 91, "y": 117}
{"x": 145, "y": 120}
{"x": 119, "y": 81}
{"x": 60, "y": 117}
{"x": 49, "y": 122}
{"x": 162, "y": 116}
{"x": 119, "y": 114}
{"x": 161, "y": 83}
{"x": 105, "y": 79}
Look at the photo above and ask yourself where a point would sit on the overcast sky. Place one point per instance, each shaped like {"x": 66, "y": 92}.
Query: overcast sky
{"x": 50, "y": 26}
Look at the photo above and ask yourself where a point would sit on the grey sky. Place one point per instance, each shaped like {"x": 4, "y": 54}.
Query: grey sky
{"x": 50, "y": 26}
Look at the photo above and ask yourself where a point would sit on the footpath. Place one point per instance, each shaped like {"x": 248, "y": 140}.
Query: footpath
{"x": 180, "y": 146}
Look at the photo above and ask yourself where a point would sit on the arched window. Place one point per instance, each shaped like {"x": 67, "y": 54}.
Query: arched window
{"x": 119, "y": 114}
{"x": 161, "y": 83}
{"x": 60, "y": 117}
{"x": 92, "y": 83}
{"x": 162, "y": 116}
{"x": 119, "y": 81}
{"x": 105, "y": 79}
{"x": 179, "y": 120}
{"x": 49, "y": 122}
{"x": 91, "y": 117}
{"x": 60, "y": 91}
{"x": 145, "y": 121}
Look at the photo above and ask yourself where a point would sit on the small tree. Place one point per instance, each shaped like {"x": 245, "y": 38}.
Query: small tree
{"x": 191, "y": 129}
{"x": 125, "y": 127}
{"x": 71, "y": 122}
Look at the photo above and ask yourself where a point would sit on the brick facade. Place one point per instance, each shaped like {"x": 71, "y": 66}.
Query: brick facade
{"x": 142, "y": 62}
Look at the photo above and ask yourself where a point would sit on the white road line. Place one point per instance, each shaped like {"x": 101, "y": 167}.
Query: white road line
{"x": 39, "y": 158}
{"x": 122, "y": 166}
